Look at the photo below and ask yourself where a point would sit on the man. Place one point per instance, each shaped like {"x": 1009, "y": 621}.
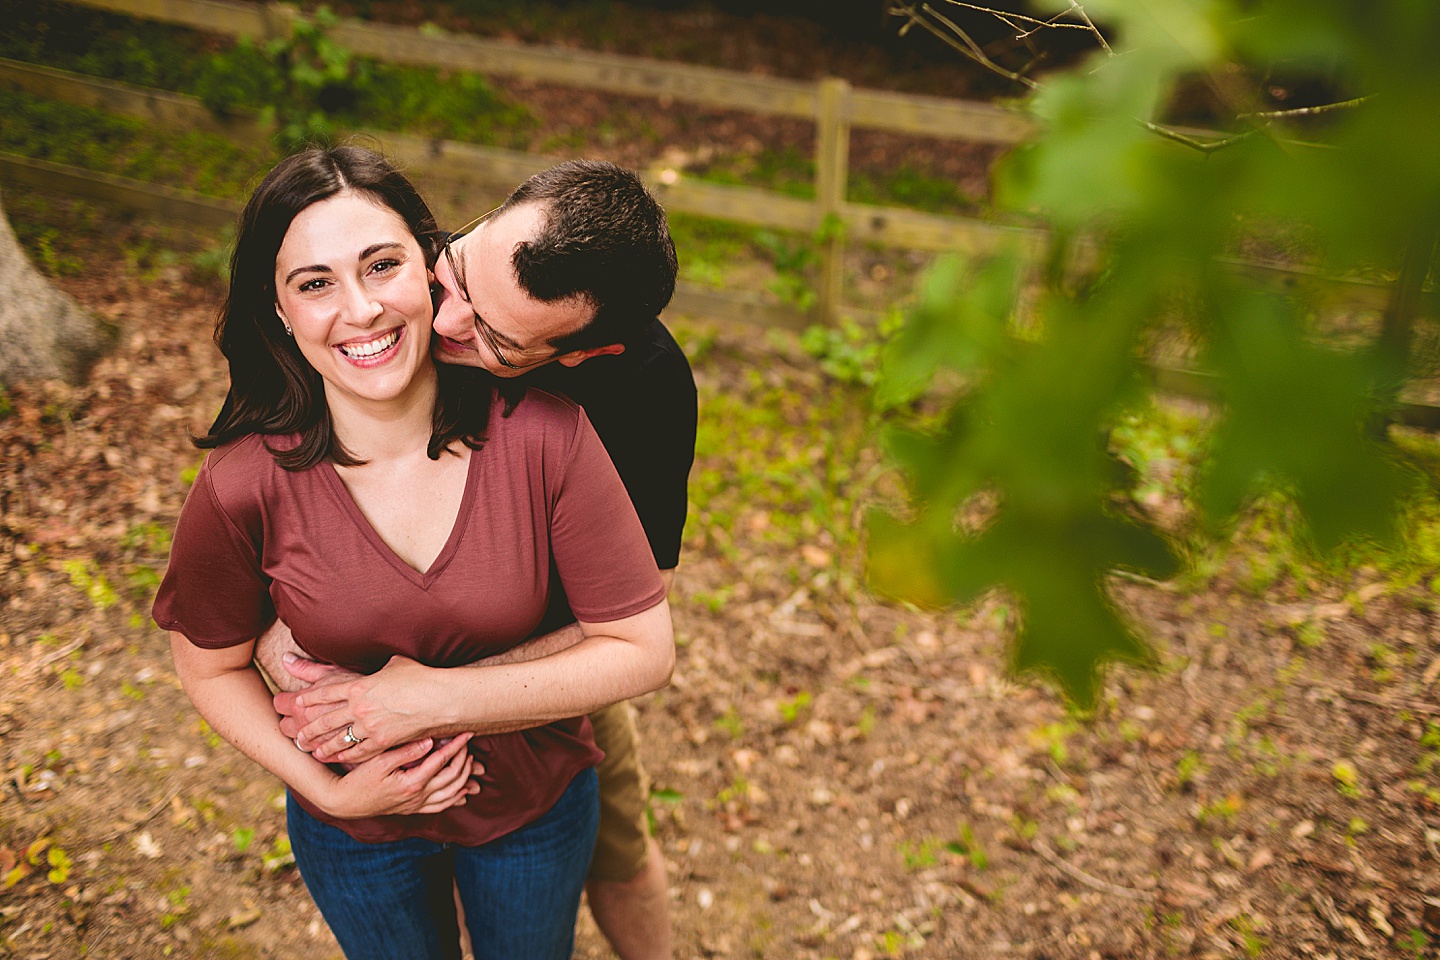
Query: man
{"x": 563, "y": 284}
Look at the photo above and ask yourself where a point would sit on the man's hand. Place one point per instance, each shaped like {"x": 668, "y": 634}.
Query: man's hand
{"x": 303, "y": 674}
{"x": 400, "y": 702}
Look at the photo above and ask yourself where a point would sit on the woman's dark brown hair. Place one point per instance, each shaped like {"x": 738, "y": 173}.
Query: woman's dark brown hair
{"x": 273, "y": 389}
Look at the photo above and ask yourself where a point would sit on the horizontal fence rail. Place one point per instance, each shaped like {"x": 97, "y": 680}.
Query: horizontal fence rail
{"x": 886, "y": 226}
{"x": 690, "y": 299}
{"x": 611, "y": 73}
{"x": 182, "y": 206}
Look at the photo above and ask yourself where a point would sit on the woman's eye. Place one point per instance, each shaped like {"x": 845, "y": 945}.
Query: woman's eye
{"x": 384, "y": 266}
{"x": 310, "y": 286}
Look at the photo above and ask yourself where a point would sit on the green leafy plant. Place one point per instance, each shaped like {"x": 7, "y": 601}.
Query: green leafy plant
{"x": 850, "y": 351}
{"x": 1189, "y": 766}
{"x": 1347, "y": 778}
{"x": 179, "y": 900}
{"x": 86, "y": 577}
{"x": 730, "y": 724}
{"x": 309, "y": 86}
{"x": 242, "y": 837}
{"x": 1222, "y": 810}
{"x": 278, "y": 856}
{"x": 1039, "y": 353}
{"x": 917, "y": 855}
{"x": 793, "y": 708}
{"x": 301, "y": 80}
{"x": 965, "y": 846}
{"x": 149, "y": 537}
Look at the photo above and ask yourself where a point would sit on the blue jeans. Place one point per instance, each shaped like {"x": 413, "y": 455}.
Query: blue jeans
{"x": 393, "y": 901}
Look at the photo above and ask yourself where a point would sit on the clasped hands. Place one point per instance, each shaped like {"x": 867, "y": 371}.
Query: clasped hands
{"x": 388, "y": 708}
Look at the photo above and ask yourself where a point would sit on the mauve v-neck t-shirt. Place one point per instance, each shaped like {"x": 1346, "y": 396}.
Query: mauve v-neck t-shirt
{"x": 255, "y": 541}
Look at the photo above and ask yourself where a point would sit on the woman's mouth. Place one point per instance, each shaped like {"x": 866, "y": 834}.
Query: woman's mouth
{"x": 370, "y": 352}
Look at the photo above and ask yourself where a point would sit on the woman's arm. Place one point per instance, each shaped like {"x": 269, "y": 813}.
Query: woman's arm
{"x": 614, "y": 661}
{"x": 229, "y": 693}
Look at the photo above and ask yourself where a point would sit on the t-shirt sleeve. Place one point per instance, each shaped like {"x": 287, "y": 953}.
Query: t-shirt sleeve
{"x": 214, "y": 590}
{"x": 599, "y": 547}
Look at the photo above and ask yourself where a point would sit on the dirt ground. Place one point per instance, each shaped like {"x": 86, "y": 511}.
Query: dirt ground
{"x": 834, "y": 776}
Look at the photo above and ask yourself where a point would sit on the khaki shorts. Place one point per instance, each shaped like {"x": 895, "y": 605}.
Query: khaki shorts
{"x": 620, "y": 848}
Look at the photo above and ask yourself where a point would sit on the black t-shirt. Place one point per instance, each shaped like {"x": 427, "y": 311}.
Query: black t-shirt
{"x": 643, "y": 405}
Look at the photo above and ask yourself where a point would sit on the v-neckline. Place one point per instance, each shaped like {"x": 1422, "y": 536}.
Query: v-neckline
{"x": 447, "y": 552}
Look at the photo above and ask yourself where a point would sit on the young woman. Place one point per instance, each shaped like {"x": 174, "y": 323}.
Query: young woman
{"x": 403, "y": 520}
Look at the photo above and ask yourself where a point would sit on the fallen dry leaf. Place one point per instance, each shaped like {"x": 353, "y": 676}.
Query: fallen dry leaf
{"x": 243, "y": 918}
{"x": 815, "y": 556}
{"x": 146, "y": 846}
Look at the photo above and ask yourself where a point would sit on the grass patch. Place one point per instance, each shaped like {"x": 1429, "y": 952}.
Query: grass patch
{"x": 785, "y": 464}
{"x": 106, "y": 45}
{"x": 785, "y": 171}
{"x": 95, "y": 140}
{"x": 907, "y": 187}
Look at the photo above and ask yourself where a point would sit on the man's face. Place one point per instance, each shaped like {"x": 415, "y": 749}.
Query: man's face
{"x": 483, "y": 317}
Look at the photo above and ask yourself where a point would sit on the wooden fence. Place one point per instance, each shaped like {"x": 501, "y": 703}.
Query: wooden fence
{"x": 831, "y": 104}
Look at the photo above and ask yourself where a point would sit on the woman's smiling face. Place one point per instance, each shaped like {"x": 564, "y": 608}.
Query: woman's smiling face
{"x": 352, "y": 284}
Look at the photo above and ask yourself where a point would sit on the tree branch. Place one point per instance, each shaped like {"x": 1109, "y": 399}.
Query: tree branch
{"x": 1304, "y": 111}
{"x": 965, "y": 44}
{"x": 1204, "y": 146}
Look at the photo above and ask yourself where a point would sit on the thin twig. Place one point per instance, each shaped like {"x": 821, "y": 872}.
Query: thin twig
{"x": 161, "y": 805}
{"x": 1076, "y": 8}
{"x": 53, "y": 656}
{"x": 959, "y": 40}
{"x": 977, "y": 53}
{"x": 1304, "y": 111}
{"x": 1007, "y": 16}
{"x": 1076, "y": 873}
{"x": 1148, "y": 776}
{"x": 965, "y": 45}
{"x": 1429, "y": 840}
{"x": 1397, "y": 703}
{"x": 1143, "y": 580}
{"x": 1204, "y": 146}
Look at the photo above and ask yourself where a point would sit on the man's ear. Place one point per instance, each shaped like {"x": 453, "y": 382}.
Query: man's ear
{"x": 576, "y": 357}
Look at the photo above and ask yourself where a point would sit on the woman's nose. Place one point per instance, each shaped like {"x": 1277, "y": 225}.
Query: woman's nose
{"x": 364, "y": 306}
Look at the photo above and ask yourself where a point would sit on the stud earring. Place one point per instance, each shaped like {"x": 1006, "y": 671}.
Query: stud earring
{"x": 288, "y": 331}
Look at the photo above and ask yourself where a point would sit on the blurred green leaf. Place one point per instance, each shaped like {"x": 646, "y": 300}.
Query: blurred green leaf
{"x": 1015, "y": 487}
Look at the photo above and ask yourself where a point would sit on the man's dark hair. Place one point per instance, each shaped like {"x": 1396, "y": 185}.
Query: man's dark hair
{"x": 604, "y": 239}
{"x": 273, "y": 389}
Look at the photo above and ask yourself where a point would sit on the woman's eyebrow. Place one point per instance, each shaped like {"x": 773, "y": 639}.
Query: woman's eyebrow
{"x": 313, "y": 268}
{"x": 375, "y": 248}
{"x": 365, "y": 254}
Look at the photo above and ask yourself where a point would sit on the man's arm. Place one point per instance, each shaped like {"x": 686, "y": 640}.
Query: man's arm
{"x": 405, "y": 700}
{"x": 550, "y": 643}
{"x": 301, "y": 672}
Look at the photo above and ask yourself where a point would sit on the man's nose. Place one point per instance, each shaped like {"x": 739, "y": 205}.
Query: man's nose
{"x": 452, "y": 315}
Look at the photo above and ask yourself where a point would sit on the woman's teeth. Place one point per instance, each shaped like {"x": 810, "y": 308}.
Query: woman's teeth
{"x": 360, "y": 351}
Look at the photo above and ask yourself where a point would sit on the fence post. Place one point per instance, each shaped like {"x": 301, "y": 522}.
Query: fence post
{"x": 279, "y": 18}
{"x": 832, "y": 168}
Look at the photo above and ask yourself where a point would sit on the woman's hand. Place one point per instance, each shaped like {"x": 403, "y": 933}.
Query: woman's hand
{"x": 382, "y": 786}
{"x": 303, "y": 674}
{"x": 397, "y": 704}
